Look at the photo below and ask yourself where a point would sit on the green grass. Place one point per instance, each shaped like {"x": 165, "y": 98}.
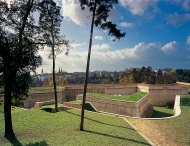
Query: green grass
{"x": 162, "y": 111}
{"x": 52, "y": 105}
{"x": 76, "y": 101}
{"x": 44, "y": 88}
{"x": 87, "y": 105}
{"x": 134, "y": 97}
{"x": 38, "y": 127}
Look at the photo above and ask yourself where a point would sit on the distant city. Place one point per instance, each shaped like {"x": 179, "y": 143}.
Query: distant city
{"x": 97, "y": 77}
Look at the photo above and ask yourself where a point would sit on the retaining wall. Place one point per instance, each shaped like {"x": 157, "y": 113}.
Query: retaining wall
{"x": 163, "y": 94}
{"x": 125, "y": 89}
{"x": 143, "y": 108}
{"x": 45, "y": 95}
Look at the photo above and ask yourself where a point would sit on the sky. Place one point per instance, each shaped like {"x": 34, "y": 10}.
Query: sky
{"x": 157, "y": 35}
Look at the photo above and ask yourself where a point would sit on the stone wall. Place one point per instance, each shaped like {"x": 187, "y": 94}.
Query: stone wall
{"x": 145, "y": 107}
{"x": 134, "y": 109}
{"x": 126, "y": 89}
{"x": 163, "y": 94}
{"x": 45, "y": 95}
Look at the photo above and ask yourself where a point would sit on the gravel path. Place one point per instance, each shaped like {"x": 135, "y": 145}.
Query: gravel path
{"x": 152, "y": 132}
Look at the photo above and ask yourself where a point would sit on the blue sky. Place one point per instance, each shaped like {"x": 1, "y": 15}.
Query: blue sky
{"x": 157, "y": 35}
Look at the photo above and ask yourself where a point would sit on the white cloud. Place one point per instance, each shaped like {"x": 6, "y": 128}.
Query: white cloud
{"x": 72, "y": 11}
{"x": 188, "y": 40}
{"x": 103, "y": 57}
{"x": 185, "y": 4}
{"x": 102, "y": 47}
{"x": 138, "y": 7}
{"x": 98, "y": 38}
{"x": 74, "y": 46}
{"x": 126, "y": 24}
{"x": 176, "y": 18}
{"x": 169, "y": 47}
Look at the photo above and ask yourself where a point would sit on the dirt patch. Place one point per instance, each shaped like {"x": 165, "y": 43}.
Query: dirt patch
{"x": 153, "y": 132}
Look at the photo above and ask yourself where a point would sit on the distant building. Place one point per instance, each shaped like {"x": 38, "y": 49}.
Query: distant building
{"x": 150, "y": 68}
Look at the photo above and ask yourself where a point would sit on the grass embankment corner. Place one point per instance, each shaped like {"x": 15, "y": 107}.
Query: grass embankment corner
{"x": 134, "y": 97}
{"x": 44, "y": 88}
{"x": 162, "y": 111}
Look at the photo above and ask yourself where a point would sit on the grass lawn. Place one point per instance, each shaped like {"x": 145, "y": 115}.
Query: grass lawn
{"x": 38, "y": 127}
{"x": 52, "y": 105}
{"x": 134, "y": 97}
{"x": 44, "y": 88}
{"x": 88, "y": 106}
{"x": 162, "y": 111}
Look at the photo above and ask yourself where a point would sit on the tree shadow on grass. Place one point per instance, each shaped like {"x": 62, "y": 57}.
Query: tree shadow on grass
{"x": 41, "y": 143}
{"x": 118, "y": 137}
{"x": 47, "y": 109}
{"x": 14, "y": 141}
{"x": 100, "y": 121}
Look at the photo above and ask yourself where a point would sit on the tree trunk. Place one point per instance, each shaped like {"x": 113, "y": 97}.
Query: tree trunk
{"x": 54, "y": 82}
{"x": 53, "y": 55}
{"x": 87, "y": 69}
{"x": 7, "y": 111}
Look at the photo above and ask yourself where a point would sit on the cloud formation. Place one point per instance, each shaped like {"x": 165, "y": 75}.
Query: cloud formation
{"x": 72, "y": 11}
{"x": 185, "y": 4}
{"x": 102, "y": 47}
{"x": 103, "y": 57}
{"x": 138, "y": 7}
{"x": 126, "y": 24}
{"x": 188, "y": 40}
{"x": 176, "y": 18}
{"x": 169, "y": 47}
{"x": 98, "y": 38}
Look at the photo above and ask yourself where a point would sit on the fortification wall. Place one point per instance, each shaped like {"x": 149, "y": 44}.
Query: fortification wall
{"x": 163, "y": 95}
{"x": 45, "y": 95}
{"x": 125, "y": 89}
{"x": 134, "y": 109}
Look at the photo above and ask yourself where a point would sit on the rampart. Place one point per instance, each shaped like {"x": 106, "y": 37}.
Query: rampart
{"x": 142, "y": 108}
{"x": 126, "y": 89}
{"x": 45, "y": 95}
{"x": 158, "y": 95}
{"x": 163, "y": 94}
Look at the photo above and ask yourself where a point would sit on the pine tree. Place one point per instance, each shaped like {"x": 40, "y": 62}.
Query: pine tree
{"x": 50, "y": 21}
{"x": 100, "y": 11}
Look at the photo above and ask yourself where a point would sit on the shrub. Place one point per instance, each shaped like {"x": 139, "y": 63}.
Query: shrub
{"x": 1, "y": 107}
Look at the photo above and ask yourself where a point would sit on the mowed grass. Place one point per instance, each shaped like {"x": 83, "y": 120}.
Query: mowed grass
{"x": 134, "y": 97}
{"x": 52, "y": 105}
{"x": 162, "y": 111}
{"x": 44, "y": 88}
{"x": 38, "y": 127}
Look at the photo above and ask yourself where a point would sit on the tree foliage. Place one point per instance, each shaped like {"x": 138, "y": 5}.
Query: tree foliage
{"x": 18, "y": 49}
{"x": 100, "y": 10}
{"x": 50, "y": 21}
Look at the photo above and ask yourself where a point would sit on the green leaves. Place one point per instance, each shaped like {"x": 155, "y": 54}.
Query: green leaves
{"x": 103, "y": 8}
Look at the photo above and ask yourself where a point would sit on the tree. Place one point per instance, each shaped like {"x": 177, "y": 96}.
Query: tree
{"x": 50, "y": 21}
{"x": 17, "y": 52}
{"x": 100, "y": 10}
